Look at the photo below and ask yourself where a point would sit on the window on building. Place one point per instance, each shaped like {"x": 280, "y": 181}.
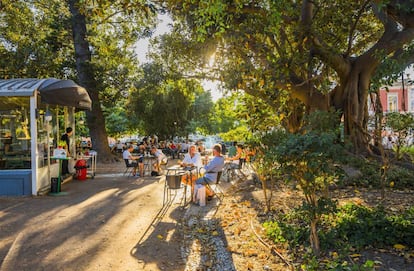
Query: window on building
{"x": 15, "y": 147}
{"x": 392, "y": 102}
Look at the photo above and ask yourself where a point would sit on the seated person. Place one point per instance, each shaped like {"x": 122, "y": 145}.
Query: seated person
{"x": 211, "y": 170}
{"x": 201, "y": 148}
{"x": 141, "y": 154}
{"x": 184, "y": 147}
{"x": 232, "y": 149}
{"x": 171, "y": 149}
{"x": 235, "y": 160}
{"x": 191, "y": 159}
{"x": 132, "y": 160}
{"x": 160, "y": 159}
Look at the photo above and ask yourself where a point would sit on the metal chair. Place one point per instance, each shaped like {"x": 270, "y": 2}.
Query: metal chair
{"x": 129, "y": 168}
{"x": 234, "y": 170}
{"x": 215, "y": 187}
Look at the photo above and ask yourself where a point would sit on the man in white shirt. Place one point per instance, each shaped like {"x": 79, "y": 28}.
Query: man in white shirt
{"x": 160, "y": 159}
{"x": 192, "y": 158}
{"x": 126, "y": 155}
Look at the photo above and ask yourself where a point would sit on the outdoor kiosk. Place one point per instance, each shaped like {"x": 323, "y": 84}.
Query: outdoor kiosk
{"x": 30, "y": 110}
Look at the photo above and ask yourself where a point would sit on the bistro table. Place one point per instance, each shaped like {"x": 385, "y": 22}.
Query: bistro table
{"x": 173, "y": 180}
{"x": 149, "y": 160}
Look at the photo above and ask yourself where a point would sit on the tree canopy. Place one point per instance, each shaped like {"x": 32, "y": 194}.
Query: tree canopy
{"x": 301, "y": 56}
{"x": 296, "y": 56}
{"x": 167, "y": 105}
{"x": 92, "y": 42}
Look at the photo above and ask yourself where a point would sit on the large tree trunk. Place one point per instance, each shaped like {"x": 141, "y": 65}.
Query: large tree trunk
{"x": 356, "y": 113}
{"x": 86, "y": 78}
{"x": 351, "y": 98}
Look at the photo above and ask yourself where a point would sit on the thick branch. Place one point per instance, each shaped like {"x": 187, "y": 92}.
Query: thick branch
{"x": 352, "y": 30}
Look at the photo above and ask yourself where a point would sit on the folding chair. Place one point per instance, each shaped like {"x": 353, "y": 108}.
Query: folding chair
{"x": 215, "y": 187}
{"x": 129, "y": 168}
{"x": 234, "y": 170}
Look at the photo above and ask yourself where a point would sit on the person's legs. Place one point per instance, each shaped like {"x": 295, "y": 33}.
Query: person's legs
{"x": 202, "y": 182}
{"x": 198, "y": 184}
{"x": 141, "y": 168}
{"x": 209, "y": 192}
{"x": 134, "y": 171}
{"x": 155, "y": 166}
{"x": 189, "y": 180}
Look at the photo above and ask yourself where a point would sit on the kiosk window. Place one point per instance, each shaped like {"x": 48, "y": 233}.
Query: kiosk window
{"x": 15, "y": 146}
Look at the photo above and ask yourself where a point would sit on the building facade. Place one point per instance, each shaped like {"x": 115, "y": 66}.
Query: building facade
{"x": 398, "y": 98}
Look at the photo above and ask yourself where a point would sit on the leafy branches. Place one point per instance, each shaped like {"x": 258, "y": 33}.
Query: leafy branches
{"x": 308, "y": 160}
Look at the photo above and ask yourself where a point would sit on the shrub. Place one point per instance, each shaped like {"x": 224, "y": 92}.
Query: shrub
{"x": 351, "y": 226}
{"x": 360, "y": 226}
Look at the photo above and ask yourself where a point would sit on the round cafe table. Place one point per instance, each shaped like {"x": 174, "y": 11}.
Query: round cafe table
{"x": 173, "y": 181}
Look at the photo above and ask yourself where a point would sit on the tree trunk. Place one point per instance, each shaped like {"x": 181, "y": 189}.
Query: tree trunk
{"x": 86, "y": 78}
{"x": 351, "y": 98}
{"x": 314, "y": 238}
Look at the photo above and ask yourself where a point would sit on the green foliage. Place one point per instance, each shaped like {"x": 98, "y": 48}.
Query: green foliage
{"x": 225, "y": 117}
{"x": 117, "y": 122}
{"x": 35, "y": 39}
{"x": 350, "y": 226}
{"x": 322, "y": 122}
{"x": 164, "y": 104}
{"x": 360, "y": 226}
{"x": 400, "y": 178}
{"x": 239, "y": 133}
{"x": 274, "y": 231}
{"x": 288, "y": 54}
{"x": 289, "y": 227}
{"x": 343, "y": 265}
{"x": 410, "y": 151}
{"x": 238, "y": 116}
{"x": 401, "y": 124}
{"x": 200, "y": 113}
{"x": 371, "y": 174}
{"x": 308, "y": 159}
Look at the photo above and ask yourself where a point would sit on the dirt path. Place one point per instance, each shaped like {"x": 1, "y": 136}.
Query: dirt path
{"x": 102, "y": 224}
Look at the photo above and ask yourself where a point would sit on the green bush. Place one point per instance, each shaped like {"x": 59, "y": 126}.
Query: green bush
{"x": 288, "y": 227}
{"x": 351, "y": 226}
{"x": 401, "y": 177}
{"x": 274, "y": 232}
{"x": 371, "y": 175}
{"x": 360, "y": 226}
